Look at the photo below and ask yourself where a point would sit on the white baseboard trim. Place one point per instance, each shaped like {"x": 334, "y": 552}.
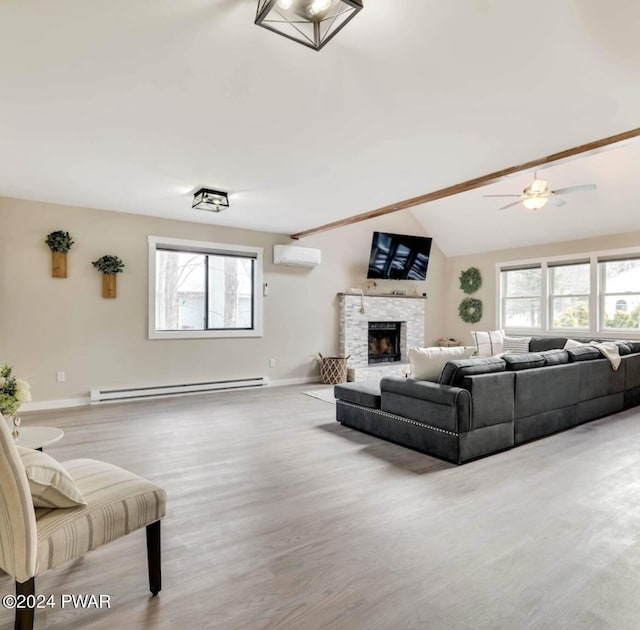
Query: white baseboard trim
{"x": 42, "y": 405}
{"x": 62, "y": 403}
{"x": 303, "y": 380}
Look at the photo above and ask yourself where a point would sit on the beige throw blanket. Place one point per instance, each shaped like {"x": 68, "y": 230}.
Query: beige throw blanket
{"x": 609, "y": 350}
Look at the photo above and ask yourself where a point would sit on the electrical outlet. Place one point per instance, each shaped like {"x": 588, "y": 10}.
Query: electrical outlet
{"x": 272, "y": 363}
{"x": 60, "y": 377}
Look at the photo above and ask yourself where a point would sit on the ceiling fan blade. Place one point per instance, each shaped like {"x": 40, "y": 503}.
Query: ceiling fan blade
{"x": 554, "y": 200}
{"x": 510, "y": 205}
{"x": 572, "y": 189}
{"x": 501, "y": 195}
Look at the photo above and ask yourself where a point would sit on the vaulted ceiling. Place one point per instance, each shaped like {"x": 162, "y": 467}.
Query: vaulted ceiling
{"x": 132, "y": 105}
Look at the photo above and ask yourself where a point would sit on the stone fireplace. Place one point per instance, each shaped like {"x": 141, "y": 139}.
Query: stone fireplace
{"x": 377, "y": 331}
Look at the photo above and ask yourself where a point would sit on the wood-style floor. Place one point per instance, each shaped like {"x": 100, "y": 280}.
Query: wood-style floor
{"x": 280, "y": 518}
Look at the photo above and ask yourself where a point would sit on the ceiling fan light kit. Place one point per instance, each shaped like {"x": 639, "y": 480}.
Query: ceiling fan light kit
{"x": 211, "y": 200}
{"x": 311, "y": 23}
{"x": 535, "y": 203}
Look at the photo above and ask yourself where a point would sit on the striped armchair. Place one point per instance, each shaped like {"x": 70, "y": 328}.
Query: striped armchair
{"x": 34, "y": 540}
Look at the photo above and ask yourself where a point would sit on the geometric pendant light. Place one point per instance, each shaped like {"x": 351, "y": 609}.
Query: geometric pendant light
{"x": 311, "y": 23}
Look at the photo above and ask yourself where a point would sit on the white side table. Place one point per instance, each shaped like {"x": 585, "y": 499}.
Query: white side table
{"x": 38, "y": 437}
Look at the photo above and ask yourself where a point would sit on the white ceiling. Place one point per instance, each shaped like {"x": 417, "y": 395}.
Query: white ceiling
{"x": 132, "y": 105}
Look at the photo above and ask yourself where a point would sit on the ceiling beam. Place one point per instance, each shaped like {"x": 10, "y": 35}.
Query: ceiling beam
{"x": 569, "y": 154}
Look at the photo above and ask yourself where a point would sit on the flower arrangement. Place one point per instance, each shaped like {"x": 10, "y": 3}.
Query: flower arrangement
{"x": 13, "y": 391}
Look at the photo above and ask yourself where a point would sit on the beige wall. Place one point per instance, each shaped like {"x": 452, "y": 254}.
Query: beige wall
{"x": 455, "y": 327}
{"x": 49, "y": 325}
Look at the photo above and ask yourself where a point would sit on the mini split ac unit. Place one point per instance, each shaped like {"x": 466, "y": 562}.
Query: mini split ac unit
{"x": 296, "y": 256}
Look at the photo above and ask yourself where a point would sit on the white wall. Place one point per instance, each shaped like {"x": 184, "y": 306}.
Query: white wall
{"x": 486, "y": 263}
{"x": 49, "y": 325}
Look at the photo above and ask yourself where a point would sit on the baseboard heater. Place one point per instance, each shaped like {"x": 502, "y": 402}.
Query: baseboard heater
{"x": 153, "y": 391}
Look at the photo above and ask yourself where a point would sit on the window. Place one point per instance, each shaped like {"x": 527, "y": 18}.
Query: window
{"x": 620, "y": 298}
{"x": 569, "y": 292}
{"x": 595, "y": 294}
{"x": 199, "y": 289}
{"x": 521, "y": 297}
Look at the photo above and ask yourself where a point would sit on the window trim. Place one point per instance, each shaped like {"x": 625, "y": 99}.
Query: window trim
{"x": 595, "y": 299}
{"x": 205, "y": 247}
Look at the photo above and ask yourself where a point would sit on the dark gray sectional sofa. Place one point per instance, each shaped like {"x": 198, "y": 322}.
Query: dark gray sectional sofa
{"x": 485, "y": 405}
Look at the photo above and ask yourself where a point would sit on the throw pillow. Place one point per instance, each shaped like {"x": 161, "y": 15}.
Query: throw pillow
{"x": 50, "y": 484}
{"x": 427, "y": 363}
{"x": 516, "y": 345}
{"x": 488, "y": 343}
{"x": 572, "y": 343}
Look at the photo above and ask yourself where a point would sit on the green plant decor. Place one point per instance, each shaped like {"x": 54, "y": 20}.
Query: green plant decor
{"x": 470, "y": 310}
{"x": 59, "y": 241}
{"x": 470, "y": 280}
{"x": 108, "y": 264}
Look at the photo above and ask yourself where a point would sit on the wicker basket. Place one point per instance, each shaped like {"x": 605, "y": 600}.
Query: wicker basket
{"x": 333, "y": 370}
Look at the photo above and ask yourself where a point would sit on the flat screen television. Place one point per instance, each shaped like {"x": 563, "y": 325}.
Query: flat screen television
{"x": 399, "y": 256}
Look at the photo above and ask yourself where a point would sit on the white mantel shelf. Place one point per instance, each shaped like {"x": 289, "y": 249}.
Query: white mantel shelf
{"x": 384, "y": 295}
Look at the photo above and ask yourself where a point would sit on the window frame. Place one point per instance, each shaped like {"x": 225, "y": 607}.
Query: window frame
{"x": 503, "y": 299}
{"x": 156, "y": 243}
{"x": 602, "y": 294}
{"x": 551, "y": 296}
{"x": 596, "y": 296}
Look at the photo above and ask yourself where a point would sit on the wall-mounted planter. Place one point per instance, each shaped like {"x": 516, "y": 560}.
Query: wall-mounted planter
{"x": 58, "y": 264}
{"x": 109, "y": 285}
{"x": 110, "y": 266}
{"x": 59, "y": 243}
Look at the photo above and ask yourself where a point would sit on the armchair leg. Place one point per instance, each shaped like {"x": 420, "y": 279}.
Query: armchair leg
{"x": 24, "y": 616}
{"x": 153, "y": 557}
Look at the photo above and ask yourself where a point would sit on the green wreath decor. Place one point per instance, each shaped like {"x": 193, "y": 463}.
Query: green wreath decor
{"x": 470, "y": 310}
{"x": 470, "y": 280}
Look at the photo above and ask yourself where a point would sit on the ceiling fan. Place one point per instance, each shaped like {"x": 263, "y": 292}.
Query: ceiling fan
{"x": 537, "y": 194}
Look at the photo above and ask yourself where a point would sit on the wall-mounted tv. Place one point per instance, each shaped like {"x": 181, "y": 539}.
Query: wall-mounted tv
{"x": 399, "y": 256}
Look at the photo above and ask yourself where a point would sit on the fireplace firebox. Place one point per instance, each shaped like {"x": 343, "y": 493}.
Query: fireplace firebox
{"x": 384, "y": 342}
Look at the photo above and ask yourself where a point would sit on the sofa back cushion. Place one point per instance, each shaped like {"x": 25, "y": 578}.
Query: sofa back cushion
{"x": 623, "y": 347}
{"x": 454, "y": 372}
{"x": 583, "y": 353}
{"x": 634, "y": 345}
{"x": 427, "y": 363}
{"x": 540, "y": 344}
{"x": 524, "y": 361}
{"x": 555, "y": 357}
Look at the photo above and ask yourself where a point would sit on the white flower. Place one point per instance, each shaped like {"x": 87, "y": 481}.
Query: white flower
{"x": 23, "y": 391}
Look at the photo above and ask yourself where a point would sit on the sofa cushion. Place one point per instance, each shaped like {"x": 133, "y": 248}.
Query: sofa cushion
{"x": 455, "y": 371}
{"x": 623, "y": 347}
{"x": 488, "y": 343}
{"x": 365, "y": 393}
{"x": 583, "y": 353}
{"x": 516, "y": 345}
{"x": 523, "y": 361}
{"x": 539, "y": 344}
{"x": 555, "y": 357}
{"x": 634, "y": 345}
{"x": 427, "y": 363}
